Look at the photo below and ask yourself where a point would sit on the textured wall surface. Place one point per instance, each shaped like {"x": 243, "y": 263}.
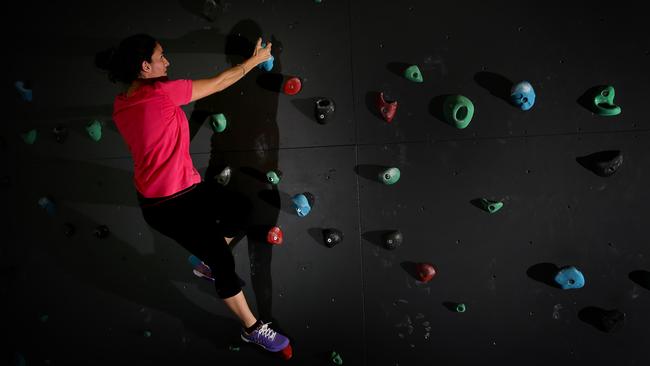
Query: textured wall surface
{"x": 132, "y": 299}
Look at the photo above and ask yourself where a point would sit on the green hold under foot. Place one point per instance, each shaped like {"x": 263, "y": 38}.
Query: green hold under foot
{"x": 336, "y": 358}
{"x": 603, "y": 102}
{"x": 94, "y": 129}
{"x": 273, "y": 177}
{"x": 491, "y": 206}
{"x": 29, "y": 137}
{"x": 458, "y": 110}
{"x": 390, "y": 176}
{"x": 413, "y": 73}
{"x": 218, "y": 122}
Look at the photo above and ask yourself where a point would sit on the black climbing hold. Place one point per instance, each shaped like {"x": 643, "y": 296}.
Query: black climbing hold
{"x": 60, "y": 133}
{"x": 324, "y": 110}
{"x": 102, "y": 232}
{"x": 393, "y": 239}
{"x": 68, "y": 229}
{"x": 602, "y": 163}
{"x": 332, "y": 237}
{"x": 612, "y": 320}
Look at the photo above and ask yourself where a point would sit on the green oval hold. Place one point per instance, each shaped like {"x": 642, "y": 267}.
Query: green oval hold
{"x": 390, "y": 176}
{"x": 461, "y": 308}
{"x": 458, "y": 110}
{"x": 218, "y": 122}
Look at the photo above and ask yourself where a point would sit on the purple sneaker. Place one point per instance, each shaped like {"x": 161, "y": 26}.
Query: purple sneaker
{"x": 267, "y": 338}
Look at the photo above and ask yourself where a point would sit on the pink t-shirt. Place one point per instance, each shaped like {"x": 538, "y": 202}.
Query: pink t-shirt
{"x": 157, "y": 134}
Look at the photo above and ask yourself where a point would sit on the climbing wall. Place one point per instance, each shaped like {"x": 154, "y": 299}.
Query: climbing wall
{"x": 85, "y": 281}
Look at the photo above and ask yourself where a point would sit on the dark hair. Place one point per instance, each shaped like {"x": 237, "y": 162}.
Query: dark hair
{"x": 124, "y": 62}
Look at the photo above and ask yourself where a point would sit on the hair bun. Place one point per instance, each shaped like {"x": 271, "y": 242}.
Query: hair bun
{"x": 104, "y": 59}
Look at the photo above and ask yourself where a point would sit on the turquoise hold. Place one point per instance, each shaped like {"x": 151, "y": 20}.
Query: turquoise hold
{"x": 301, "y": 204}
{"x": 570, "y": 278}
{"x": 268, "y": 64}
{"x": 522, "y": 95}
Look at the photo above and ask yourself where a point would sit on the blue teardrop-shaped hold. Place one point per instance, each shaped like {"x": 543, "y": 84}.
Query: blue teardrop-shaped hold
{"x": 569, "y": 278}
{"x": 522, "y": 95}
{"x": 301, "y": 204}
{"x": 268, "y": 64}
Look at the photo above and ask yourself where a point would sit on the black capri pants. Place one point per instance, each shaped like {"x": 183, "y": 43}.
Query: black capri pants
{"x": 198, "y": 218}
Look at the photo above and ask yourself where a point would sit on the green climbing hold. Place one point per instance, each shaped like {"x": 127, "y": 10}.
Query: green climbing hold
{"x": 460, "y": 308}
{"x": 413, "y": 73}
{"x": 336, "y": 358}
{"x": 29, "y": 137}
{"x": 458, "y": 110}
{"x": 491, "y": 206}
{"x": 218, "y": 122}
{"x": 94, "y": 129}
{"x": 390, "y": 176}
{"x": 603, "y": 102}
{"x": 233, "y": 348}
{"x": 273, "y": 177}
{"x": 147, "y": 333}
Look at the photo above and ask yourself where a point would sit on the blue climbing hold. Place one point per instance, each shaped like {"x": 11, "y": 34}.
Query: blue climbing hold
{"x": 25, "y": 93}
{"x": 522, "y": 95}
{"x": 569, "y": 278}
{"x": 48, "y": 205}
{"x": 194, "y": 260}
{"x": 301, "y": 204}
{"x": 268, "y": 64}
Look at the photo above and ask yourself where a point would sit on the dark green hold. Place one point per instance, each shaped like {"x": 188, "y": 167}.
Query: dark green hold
{"x": 29, "y": 137}
{"x": 603, "y": 102}
{"x": 336, "y": 358}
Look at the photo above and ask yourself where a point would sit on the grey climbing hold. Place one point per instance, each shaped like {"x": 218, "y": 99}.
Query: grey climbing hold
{"x": 602, "y": 163}
{"x": 324, "y": 110}
{"x": 332, "y": 237}
{"x": 224, "y": 176}
{"x": 60, "y": 133}
{"x": 102, "y": 232}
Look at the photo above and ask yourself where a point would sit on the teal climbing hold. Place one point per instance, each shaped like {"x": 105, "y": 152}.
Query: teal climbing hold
{"x": 273, "y": 177}
{"x": 390, "y": 176}
{"x": 413, "y": 73}
{"x": 94, "y": 129}
{"x": 461, "y": 308}
{"x": 48, "y": 205}
{"x": 29, "y": 137}
{"x": 336, "y": 358}
{"x": 24, "y": 91}
{"x": 491, "y": 206}
{"x": 458, "y": 110}
{"x": 147, "y": 333}
{"x": 603, "y": 102}
{"x": 218, "y": 122}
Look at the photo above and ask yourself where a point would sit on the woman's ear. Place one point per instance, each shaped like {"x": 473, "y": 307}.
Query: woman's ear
{"x": 146, "y": 67}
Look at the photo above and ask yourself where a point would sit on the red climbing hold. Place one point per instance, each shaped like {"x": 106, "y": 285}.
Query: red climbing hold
{"x": 287, "y": 352}
{"x": 425, "y": 272}
{"x": 274, "y": 236}
{"x": 292, "y": 86}
{"x": 386, "y": 108}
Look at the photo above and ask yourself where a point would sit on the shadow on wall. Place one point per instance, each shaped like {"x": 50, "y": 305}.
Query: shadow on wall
{"x": 251, "y": 111}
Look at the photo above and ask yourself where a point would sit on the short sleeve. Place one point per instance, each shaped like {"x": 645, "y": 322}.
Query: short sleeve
{"x": 179, "y": 91}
